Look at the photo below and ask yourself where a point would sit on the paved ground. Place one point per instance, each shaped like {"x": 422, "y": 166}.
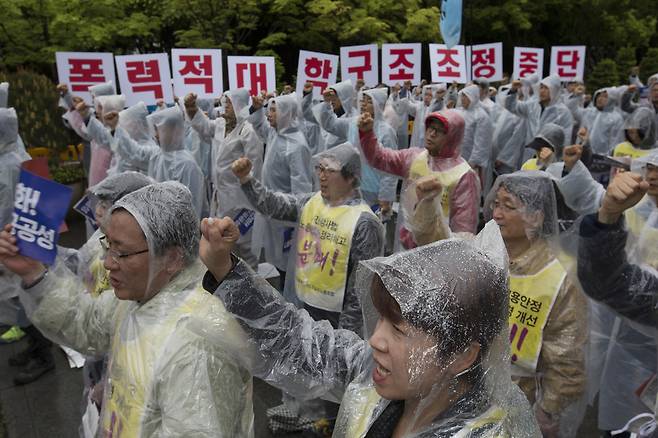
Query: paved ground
{"x": 50, "y": 407}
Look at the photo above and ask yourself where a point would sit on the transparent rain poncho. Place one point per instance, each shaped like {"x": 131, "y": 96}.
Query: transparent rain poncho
{"x": 132, "y": 126}
{"x": 285, "y": 169}
{"x": 4, "y": 94}
{"x": 418, "y": 109}
{"x": 549, "y": 361}
{"x": 104, "y": 89}
{"x": 617, "y": 267}
{"x": 322, "y": 113}
{"x": 163, "y": 379}
{"x": 509, "y": 136}
{"x": 450, "y": 296}
{"x": 605, "y": 126}
{"x": 477, "y": 147}
{"x": 642, "y": 120}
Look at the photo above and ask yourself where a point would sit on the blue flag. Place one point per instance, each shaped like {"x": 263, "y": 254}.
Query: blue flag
{"x": 40, "y": 206}
{"x": 451, "y": 21}
{"x": 84, "y": 208}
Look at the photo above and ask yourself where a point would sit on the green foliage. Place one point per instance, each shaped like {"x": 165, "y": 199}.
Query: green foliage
{"x": 68, "y": 173}
{"x": 649, "y": 64}
{"x": 604, "y": 74}
{"x": 625, "y": 60}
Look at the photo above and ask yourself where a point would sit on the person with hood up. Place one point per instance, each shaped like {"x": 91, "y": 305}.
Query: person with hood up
{"x": 547, "y": 145}
{"x": 376, "y": 188}
{"x": 486, "y": 103}
{"x": 601, "y": 123}
{"x": 167, "y": 159}
{"x": 436, "y": 360}
{"x": 548, "y": 313}
{"x": 336, "y": 231}
{"x": 441, "y": 157}
{"x": 477, "y": 147}
{"x": 231, "y": 137}
{"x": 617, "y": 262}
{"x": 628, "y": 106}
{"x": 640, "y": 134}
{"x": 509, "y": 136}
{"x": 285, "y": 169}
{"x": 201, "y": 150}
{"x": 339, "y": 99}
{"x": 164, "y": 378}
{"x": 547, "y": 108}
{"x": 405, "y": 104}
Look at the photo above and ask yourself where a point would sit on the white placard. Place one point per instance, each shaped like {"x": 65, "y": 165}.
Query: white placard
{"x": 400, "y": 63}
{"x": 80, "y": 70}
{"x": 527, "y": 61}
{"x": 360, "y": 62}
{"x": 448, "y": 65}
{"x": 197, "y": 71}
{"x": 254, "y": 72}
{"x": 321, "y": 69}
{"x": 568, "y": 62}
{"x": 145, "y": 78}
{"x": 487, "y": 62}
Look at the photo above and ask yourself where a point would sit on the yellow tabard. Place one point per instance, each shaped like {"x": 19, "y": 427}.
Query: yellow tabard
{"x": 324, "y": 240}
{"x": 626, "y": 149}
{"x": 360, "y": 402}
{"x": 531, "y": 299}
{"x": 531, "y": 164}
{"x": 646, "y": 235}
{"x": 100, "y": 278}
{"x": 447, "y": 178}
{"x": 131, "y": 368}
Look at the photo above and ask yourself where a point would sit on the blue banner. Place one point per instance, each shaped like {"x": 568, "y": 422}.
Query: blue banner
{"x": 40, "y": 206}
{"x": 451, "y": 21}
{"x": 287, "y": 239}
{"x": 84, "y": 208}
{"x": 245, "y": 220}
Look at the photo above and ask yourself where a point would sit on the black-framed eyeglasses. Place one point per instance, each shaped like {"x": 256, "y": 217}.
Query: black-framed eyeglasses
{"x": 319, "y": 169}
{"x": 115, "y": 255}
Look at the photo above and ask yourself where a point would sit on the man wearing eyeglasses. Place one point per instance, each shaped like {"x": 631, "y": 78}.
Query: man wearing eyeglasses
{"x": 171, "y": 346}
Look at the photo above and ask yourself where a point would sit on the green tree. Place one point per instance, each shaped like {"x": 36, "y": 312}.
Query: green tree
{"x": 604, "y": 74}
{"x": 625, "y": 60}
{"x": 649, "y": 64}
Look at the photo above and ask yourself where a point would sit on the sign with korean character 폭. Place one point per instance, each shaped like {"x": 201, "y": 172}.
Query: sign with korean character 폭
{"x": 80, "y": 70}
{"x": 400, "y": 63}
{"x": 197, "y": 71}
{"x": 527, "y": 61}
{"x": 487, "y": 62}
{"x": 360, "y": 62}
{"x": 145, "y": 78}
{"x": 568, "y": 62}
{"x": 40, "y": 206}
{"x": 320, "y": 69}
{"x": 253, "y": 72}
{"x": 448, "y": 65}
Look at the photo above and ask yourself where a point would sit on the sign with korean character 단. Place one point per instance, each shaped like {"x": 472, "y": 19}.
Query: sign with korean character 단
{"x": 80, "y": 70}
{"x": 320, "y": 69}
{"x": 40, "y": 206}
{"x": 145, "y": 78}
{"x": 400, "y": 63}
{"x": 527, "y": 61}
{"x": 448, "y": 65}
{"x": 197, "y": 71}
{"x": 254, "y": 72}
{"x": 487, "y": 62}
{"x": 568, "y": 62}
{"x": 360, "y": 62}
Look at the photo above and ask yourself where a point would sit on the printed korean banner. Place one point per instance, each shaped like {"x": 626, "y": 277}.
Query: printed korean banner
{"x": 360, "y": 62}
{"x": 528, "y": 61}
{"x": 320, "y": 69}
{"x": 84, "y": 207}
{"x": 40, "y": 206}
{"x": 487, "y": 61}
{"x": 448, "y": 64}
{"x": 400, "y": 63}
{"x": 568, "y": 62}
{"x": 80, "y": 70}
{"x": 197, "y": 71}
{"x": 145, "y": 78}
{"x": 254, "y": 72}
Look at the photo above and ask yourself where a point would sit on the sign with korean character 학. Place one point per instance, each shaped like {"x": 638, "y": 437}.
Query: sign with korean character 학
{"x": 40, "y": 206}
{"x": 320, "y": 69}
{"x": 197, "y": 71}
{"x": 80, "y": 70}
{"x": 145, "y": 78}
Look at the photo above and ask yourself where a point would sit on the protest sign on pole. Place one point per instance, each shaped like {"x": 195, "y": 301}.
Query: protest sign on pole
{"x": 253, "y": 72}
{"x": 197, "y": 71}
{"x": 145, "y": 78}
{"x": 568, "y": 62}
{"x": 80, "y": 70}
{"x": 320, "y": 69}
{"x": 527, "y": 61}
{"x": 360, "y": 62}
{"x": 448, "y": 64}
{"x": 400, "y": 63}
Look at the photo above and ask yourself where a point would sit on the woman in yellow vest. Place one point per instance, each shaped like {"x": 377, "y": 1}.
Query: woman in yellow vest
{"x": 165, "y": 376}
{"x": 640, "y": 132}
{"x": 547, "y": 313}
{"x": 437, "y": 360}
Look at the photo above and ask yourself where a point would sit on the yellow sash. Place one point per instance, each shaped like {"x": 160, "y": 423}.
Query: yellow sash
{"x": 447, "y": 178}
{"x": 531, "y": 299}
{"x": 324, "y": 241}
{"x": 100, "y": 278}
{"x": 131, "y": 369}
{"x": 531, "y": 164}
{"x": 626, "y": 149}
